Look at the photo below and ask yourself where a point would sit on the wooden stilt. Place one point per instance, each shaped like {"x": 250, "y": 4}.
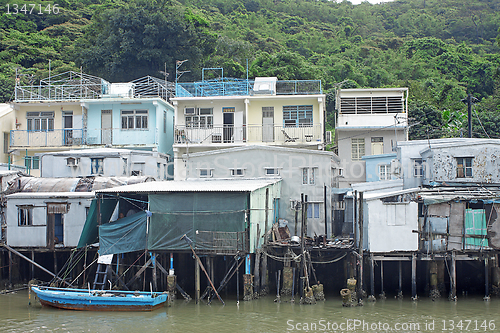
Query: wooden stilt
{"x": 32, "y": 272}
{"x": 382, "y": 292}
{"x": 10, "y": 269}
{"x": 486, "y": 279}
{"x": 155, "y": 277}
{"x": 55, "y": 262}
{"x": 400, "y": 290}
{"x": 263, "y": 277}
{"x": 256, "y": 271}
{"x": 372, "y": 276}
{"x": 453, "y": 277}
{"x": 196, "y": 281}
{"x": 414, "y": 276}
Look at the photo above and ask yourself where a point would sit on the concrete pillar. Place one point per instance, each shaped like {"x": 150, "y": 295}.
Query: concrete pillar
{"x": 287, "y": 281}
{"x": 372, "y": 279}
{"x": 264, "y": 290}
{"x": 382, "y": 292}
{"x": 486, "y": 280}
{"x": 247, "y": 287}
{"x": 400, "y": 290}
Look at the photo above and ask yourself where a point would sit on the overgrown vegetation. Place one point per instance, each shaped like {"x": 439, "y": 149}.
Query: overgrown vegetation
{"x": 441, "y": 49}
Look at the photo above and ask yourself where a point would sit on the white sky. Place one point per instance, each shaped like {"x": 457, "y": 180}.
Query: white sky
{"x": 357, "y": 2}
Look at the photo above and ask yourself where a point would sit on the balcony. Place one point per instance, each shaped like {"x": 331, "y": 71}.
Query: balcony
{"x": 253, "y": 134}
{"x": 47, "y": 138}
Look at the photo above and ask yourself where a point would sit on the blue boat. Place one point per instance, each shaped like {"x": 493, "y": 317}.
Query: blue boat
{"x": 99, "y": 300}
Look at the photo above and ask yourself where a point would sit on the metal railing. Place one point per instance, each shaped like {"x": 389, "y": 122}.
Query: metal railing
{"x": 47, "y": 138}
{"x": 238, "y": 87}
{"x": 221, "y": 134}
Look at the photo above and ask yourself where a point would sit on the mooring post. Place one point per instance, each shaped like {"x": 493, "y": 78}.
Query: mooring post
{"x": 414, "y": 276}
{"x": 453, "y": 277}
{"x": 263, "y": 277}
{"x": 196, "y": 281}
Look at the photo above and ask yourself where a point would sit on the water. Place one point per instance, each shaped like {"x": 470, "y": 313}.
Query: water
{"x": 263, "y": 315}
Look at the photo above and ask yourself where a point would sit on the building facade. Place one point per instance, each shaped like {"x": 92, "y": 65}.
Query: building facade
{"x": 229, "y": 113}
{"x": 369, "y": 122}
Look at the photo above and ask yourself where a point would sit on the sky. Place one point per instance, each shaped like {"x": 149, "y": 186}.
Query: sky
{"x": 357, "y": 2}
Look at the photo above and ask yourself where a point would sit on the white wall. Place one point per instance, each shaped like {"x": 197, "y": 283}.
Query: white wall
{"x": 390, "y": 226}
{"x": 36, "y": 234}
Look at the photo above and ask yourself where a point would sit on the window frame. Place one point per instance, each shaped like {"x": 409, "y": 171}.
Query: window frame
{"x": 209, "y": 172}
{"x": 136, "y": 119}
{"x": 313, "y": 210}
{"x": 358, "y": 148}
{"x": 418, "y": 168}
{"x": 202, "y": 118}
{"x": 386, "y": 172}
{"x": 25, "y": 213}
{"x": 298, "y": 116}
{"x": 100, "y": 168}
{"x": 275, "y": 173}
{"x": 464, "y": 167}
{"x": 234, "y": 171}
{"x": 40, "y": 121}
{"x": 309, "y": 175}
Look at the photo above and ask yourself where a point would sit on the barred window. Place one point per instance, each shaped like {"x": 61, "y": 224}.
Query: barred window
{"x": 40, "y": 121}
{"x": 298, "y": 115}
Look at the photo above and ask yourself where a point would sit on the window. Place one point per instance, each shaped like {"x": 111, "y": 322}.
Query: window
{"x": 25, "y": 215}
{"x": 205, "y": 173}
{"x": 384, "y": 171}
{"x": 200, "y": 118}
{"x": 464, "y": 167}
{"x": 272, "y": 171}
{"x": 237, "y": 172}
{"x": 32, "y": 162}
{"x": 357, "y": 149}
{"x": 313, "y": 210}
{"x": 377, "y": 146}
{"x": 96, "y": 166}
{"x": 134, "y": 119}
{"x": 40, "y": 121}
{"x": 308, "y": 176}
{"x": 298, "y": 116}
{"x": 418, "y": 170}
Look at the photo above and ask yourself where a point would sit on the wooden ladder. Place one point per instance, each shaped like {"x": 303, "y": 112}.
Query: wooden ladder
{"x": 101, "y": 276}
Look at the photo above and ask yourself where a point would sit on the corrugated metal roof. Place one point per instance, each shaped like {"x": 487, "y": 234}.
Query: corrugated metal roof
{"x": 51, "y": 195}
{"x": 196, "y": 185}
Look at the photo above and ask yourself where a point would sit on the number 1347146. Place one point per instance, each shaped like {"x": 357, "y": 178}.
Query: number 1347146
{"x": 31, "y": 8}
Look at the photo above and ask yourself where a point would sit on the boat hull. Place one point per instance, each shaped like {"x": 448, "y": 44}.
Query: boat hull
{"x": 81, "y": 299}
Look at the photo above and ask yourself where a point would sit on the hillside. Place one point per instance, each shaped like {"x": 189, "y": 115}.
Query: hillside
{"x": 441, "y": 50}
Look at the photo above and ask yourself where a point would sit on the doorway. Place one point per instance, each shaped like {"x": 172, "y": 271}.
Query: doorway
{"x": 68, "y": 128}
{"x": 268, "y": 124}
{"x": 228, "y": 130}
{"x": 106, "y": 129}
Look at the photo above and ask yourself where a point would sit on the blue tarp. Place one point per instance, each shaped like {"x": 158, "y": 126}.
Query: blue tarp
{"x": 127, "y": 234}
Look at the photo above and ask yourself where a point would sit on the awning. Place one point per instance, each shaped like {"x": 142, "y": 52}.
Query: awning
{"x": 90, "y": 233}
{"x": 124, "y": 235}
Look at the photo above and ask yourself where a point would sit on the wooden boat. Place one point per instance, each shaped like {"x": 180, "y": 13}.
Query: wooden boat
{"x": 99, "y": 300}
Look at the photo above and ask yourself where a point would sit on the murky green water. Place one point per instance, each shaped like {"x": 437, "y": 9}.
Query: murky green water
{"x": 263, "y": 315}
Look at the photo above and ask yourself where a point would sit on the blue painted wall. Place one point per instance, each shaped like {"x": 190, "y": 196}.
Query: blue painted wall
{"x": 373, "y": 161}
{"x": 153, "y": 136}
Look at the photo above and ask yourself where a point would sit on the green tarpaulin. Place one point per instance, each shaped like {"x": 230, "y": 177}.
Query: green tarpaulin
{"x": 125, "y": 235}
{"x": 89, "y": 233}
{"x": 198, "y": 215}
{"x": 475, "y": 225}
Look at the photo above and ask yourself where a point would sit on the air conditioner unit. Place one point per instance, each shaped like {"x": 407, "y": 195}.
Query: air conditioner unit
{"x": 72, "y": 162}
{"x": 190, "y": 111}
{"x": 328, "y": 137}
